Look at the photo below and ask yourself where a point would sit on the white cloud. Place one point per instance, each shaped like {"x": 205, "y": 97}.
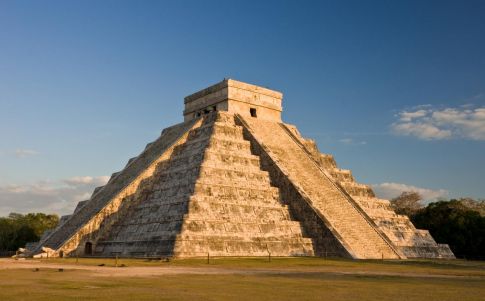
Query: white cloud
{"x": 392, "y": 190}
{"x": 87, "y": 180}
{"x": 464, "y": 122}
{"x": 58, "y": 197}
{"x": 424, "y": 131}
{"x": 22, "y": 153}
{"x": 408, "y": 116}
{"x": 350, "y": 141}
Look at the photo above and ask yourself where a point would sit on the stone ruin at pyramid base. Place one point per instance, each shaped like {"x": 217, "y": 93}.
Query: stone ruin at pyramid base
{"x": 234, "y": 180}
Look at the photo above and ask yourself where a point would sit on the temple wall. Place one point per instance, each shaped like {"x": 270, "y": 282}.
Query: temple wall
{"x": 234, "y": 97}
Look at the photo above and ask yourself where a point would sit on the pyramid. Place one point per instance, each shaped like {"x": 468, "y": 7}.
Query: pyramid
{"x": 234, "y": 180}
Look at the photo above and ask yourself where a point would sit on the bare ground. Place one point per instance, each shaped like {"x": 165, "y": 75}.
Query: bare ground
{"x": 159, "y": 270}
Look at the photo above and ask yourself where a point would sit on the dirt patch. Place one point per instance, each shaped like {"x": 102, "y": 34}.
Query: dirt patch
{"x": 107, "y": 271}
{"x": 6, "y": 264}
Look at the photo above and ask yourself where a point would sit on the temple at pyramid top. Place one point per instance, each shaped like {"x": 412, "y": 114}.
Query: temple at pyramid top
{"x": 235, "y": 97}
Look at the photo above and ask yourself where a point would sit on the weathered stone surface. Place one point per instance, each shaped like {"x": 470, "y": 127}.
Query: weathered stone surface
{"x": 340, "y": 213}
{"x": 235, "y": 97}
{"x": 232, "y": 180}
{"x": 411, "y": 242}
{"x": 223, "y": 204}
{"x": 100, "y": 211}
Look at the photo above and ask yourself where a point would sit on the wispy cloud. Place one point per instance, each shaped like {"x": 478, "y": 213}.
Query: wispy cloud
{"x": 48, "y": 196}
{"x": 22, "y": 153}
{"x": 476, "y": 97}
{"x": 350, "y": 141}
{"x": 392, "y": 190}
{"x": 465, "y": 122}
{"x": 87, "y": 180}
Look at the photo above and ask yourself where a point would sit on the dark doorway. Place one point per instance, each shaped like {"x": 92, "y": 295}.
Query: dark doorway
{"x": 61, "y": 254}
{"x": 253, "y": 112}
{"x": 88, "y": 248}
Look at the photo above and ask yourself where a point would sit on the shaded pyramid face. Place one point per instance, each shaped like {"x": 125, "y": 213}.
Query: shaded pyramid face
{"x": 233, "y": 180}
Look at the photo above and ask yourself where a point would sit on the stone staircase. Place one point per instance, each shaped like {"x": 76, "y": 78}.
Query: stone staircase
{"x": 411, "y": 242}
{"x": 210, "y": 198}
{"x": 342, "y": 215}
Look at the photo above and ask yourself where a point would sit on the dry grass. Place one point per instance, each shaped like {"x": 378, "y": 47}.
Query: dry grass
{"x": 254, "y": 279}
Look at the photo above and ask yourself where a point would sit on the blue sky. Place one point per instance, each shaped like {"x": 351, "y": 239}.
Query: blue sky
{"x": 395, "y": 90}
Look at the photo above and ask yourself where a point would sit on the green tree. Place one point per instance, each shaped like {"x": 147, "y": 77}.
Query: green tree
{"x": 18, "y": 229}
{"x": 454, "y": 223}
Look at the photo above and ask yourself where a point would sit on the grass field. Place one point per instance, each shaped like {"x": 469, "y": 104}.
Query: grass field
{"x": 242, "y": 279}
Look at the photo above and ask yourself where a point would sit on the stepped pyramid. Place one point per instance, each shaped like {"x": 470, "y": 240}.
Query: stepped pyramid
{"x": 234, "y": 180}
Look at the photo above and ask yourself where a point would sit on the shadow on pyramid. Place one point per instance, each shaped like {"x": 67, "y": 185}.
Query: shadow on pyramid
{"x": 234, "y": 180}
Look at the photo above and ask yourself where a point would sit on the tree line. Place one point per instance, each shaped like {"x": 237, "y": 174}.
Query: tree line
{"x": 460, "y": 223}
{"x": 18, "y": 229}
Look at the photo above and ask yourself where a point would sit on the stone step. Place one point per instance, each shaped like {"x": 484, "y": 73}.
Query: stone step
{"x": 326, "y": 161}
{"x": 193, "y": 224}
{"x": 179, "y": 163}
{"x": 186, "y": 149}
{"x": 222, "y": 174}
{"x": 222, "y": 189}
{"x": 196, "y": 143}
{"x": 203, "y": 131}
{"x": 255, "y": 183}
{"x": 175, "y": 190}
{"x": 218, "y": 130}
{"x": 230, "y": 159}
{"x": 200, "y": 224}
{"x": 190, "y": 247}
{"x": 251, "y": 237}
{"x": 214, "y": 203}
{"x": 185, "y": 181}
{"x": 167, "y": 169}
{"x": 227, "y": 145}
{"x": 356, "y": 189}
{"x": 234, "y": 212}
{"x": 223, "y": 117}
{"x": 341, "y": 175}
{"x": 216, "y": 145}
{"x": 146, "y": 224}
{"x": 266, "y": 200}
{"x": 158, "y": 202}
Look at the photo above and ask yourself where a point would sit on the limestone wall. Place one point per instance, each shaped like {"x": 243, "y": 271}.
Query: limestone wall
{"x": 234, "y": 97}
